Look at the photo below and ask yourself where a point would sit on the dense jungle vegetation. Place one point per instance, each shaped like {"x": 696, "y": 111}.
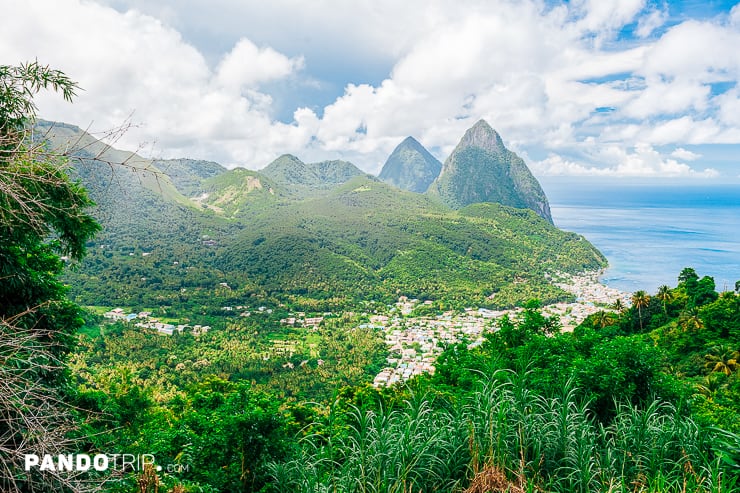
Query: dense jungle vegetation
{"x": 640, "y": 399}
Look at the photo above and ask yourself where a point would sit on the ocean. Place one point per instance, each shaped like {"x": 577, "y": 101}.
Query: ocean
{"x": 650, "y": 233}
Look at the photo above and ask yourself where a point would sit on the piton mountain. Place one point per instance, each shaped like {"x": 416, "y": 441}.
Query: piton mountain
{"x": 482, "y": 169}
{"x": 410, "y": 167}
{"x": 302, "y": 231}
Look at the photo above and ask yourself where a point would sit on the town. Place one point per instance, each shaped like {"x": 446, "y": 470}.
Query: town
{"x": 416, "y": 342}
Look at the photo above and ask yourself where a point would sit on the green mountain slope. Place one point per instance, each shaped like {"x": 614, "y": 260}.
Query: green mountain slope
{"x": 101, "y": 165}
{"x": 188, "y": 174}
{"x": 302, "y": 179}
{"x": 482, "y": 169}
{"x": 368, "y": 239}
{"x": 148, "y": 226}
{"x": 410, "y": 167}
{"x": 324, "y": 231}
{"x": 238, "y": 191}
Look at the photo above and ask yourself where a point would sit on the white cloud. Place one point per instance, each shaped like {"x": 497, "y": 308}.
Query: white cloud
{"x": 133, "y": 64}
{"x": 651, "y": 22}
{"x": 685, "y": 154}
{"x": 247, "y": 65}
{"x": 700, "y": 50}
{"x": 555, "y": 78}
{"x": 661, "y": 98}
{"x": 606, "y": 15}
{"x": 643, "y": 161}
{"x": 729, "y": 108}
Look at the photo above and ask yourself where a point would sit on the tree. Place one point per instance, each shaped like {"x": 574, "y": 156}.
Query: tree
{"x": 688, "y": 277}
{"x": 690, "y": 321}
{"x": 722, "y": 359}
{"x": 532, "y": 321}
{"x": 640, "y": 300}
{"x": 42, "y": 216}
{"x": 664, "y": 295}
{"x": 705, "y": 291}
{"x": 618, "y": 305}
{"x": 603, "y": 319}
{"x": 619, "y": 369}
{"x": 698, "y": 291}
{"x": 722, "y": 317}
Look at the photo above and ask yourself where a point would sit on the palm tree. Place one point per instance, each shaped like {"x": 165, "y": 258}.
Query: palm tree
{"x": 618, "y": 305}
{"x": 603, "y": 319}
{"x": 664, "y": 294}
{"x": 709, "y": 386}
{"x": 640, "y": 300}
{"x": 722, "y": 359}
{"x": 690, "y": 320}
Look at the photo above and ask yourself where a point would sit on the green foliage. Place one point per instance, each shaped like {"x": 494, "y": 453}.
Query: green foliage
{"x": 601, "y": 408}
{"x": 309, "y": 179}
{"x": 230, "y": 435}
{"x": 722, "y": 317}
{"x": 363, "y": 240}
{"x": 18, "y": 85}
{"x": 406, "y": 449}
{"x": 392, "y": 241}
{"x": 188, "y": 174}
{"x": 312, "y": 231}
{"x": 42, "y": 216}
{"x": 215, "y": 436}
{"x": 623, "y": 368}
{"x": 627, "y": 402}
{"x": 697, "y": 291}
{"x": 239, "y": 192}
{"x": 549, "y": 441}
{"x": 292, "y": 364}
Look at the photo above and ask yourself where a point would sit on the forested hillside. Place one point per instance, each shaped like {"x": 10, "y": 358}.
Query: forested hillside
{"x": 175, "y": 231}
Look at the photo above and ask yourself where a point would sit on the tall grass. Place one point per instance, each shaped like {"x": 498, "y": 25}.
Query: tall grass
{"x": 413, "y": 448}
{"x": 518, "y": 440}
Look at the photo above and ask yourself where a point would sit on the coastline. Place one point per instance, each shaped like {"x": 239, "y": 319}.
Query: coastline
{"x": 591, "y": 294}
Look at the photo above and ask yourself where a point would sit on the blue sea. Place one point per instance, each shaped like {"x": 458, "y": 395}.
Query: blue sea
{"x": 650, "y": 233}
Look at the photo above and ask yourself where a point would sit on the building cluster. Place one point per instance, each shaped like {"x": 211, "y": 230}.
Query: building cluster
{"x": 416, "y": 342}
{"x": 300, "y": 320}
{"x": 591, "y": 297}
{"x": 147, "y": 322}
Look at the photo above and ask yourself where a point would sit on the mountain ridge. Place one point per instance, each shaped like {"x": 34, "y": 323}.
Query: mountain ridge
{"x": 301, "y": 178}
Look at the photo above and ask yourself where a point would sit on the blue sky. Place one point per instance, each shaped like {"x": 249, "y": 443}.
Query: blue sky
{"x": 604, "y": 89}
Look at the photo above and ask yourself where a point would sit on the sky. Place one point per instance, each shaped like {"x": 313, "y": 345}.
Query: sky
{"x": 599, "y": 89}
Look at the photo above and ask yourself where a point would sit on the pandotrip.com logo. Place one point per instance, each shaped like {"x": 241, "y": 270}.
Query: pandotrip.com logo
{"x": 97, "y": 462}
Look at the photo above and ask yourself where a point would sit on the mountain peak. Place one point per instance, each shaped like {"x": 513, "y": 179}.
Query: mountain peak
{"x": 410, "y": 167}
{"x": 484, "y": 136}
{"x": 287, "y": 158}
{"x": 482, "y": 169}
